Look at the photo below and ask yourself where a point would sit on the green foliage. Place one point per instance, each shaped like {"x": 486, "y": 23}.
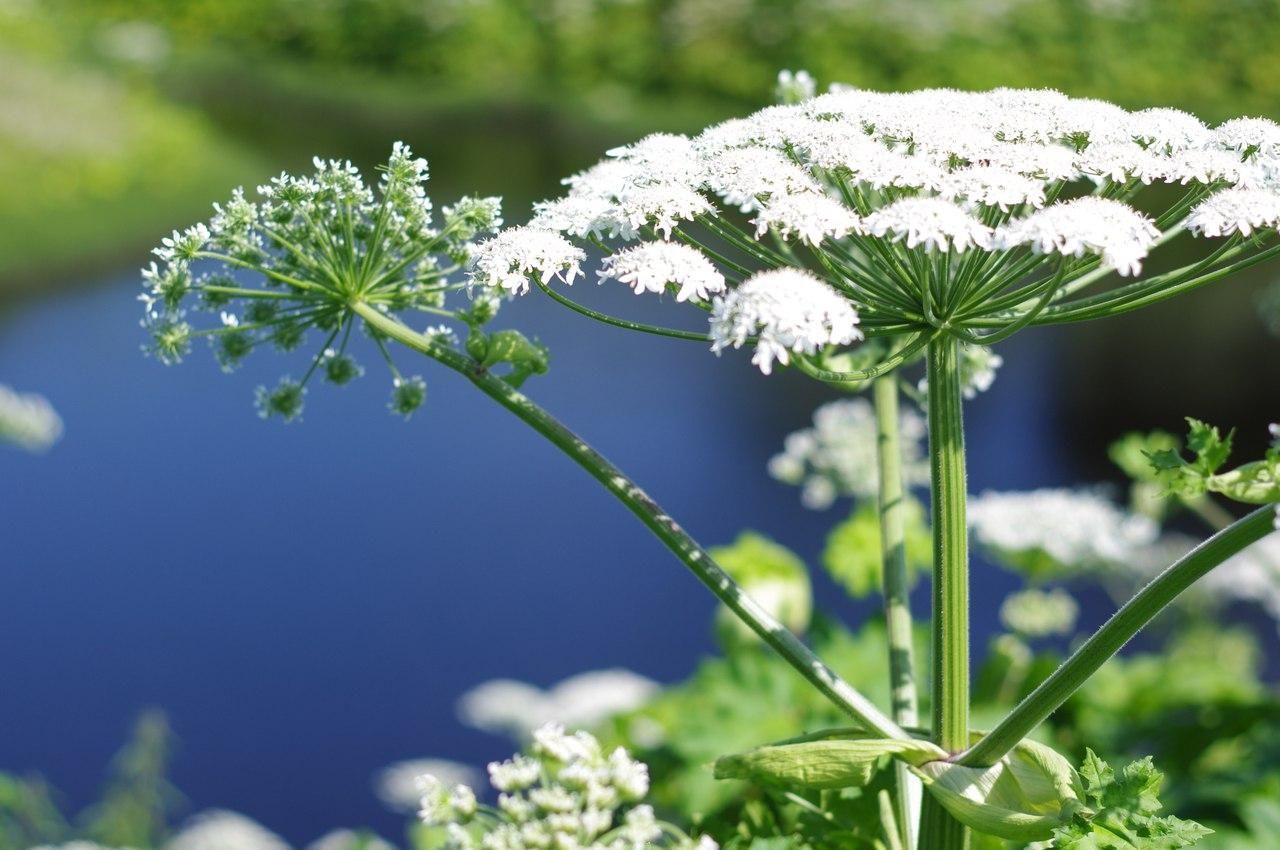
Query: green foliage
{"x": 1124, "y": 812}
{"x": 510, "y": 348}
{"x": 1253, "y": 483}
{"x": 134, "y": 809}
{"x": 773, "y": 575}
{"x": 852, "y": 554}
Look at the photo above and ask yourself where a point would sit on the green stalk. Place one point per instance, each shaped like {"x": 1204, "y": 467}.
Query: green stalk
{"x": 938, "y": 830}
{"x": 1115, "y": 633}
{"x": 773, "y": 633}
{"x": 896, "y": 591}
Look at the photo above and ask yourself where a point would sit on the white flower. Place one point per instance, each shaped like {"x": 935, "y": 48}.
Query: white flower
{"x": 794, "y": 87}
{"x": 1121, "y": 235}
{"x": 1231, "y": 211}
{"x": 516, "y": 774}
{"x": 809, "y": 217}
{"x": 1249, "y": 135}
{"x": 662, "y": 158}
{"x": 587, "y": 699}
{"x": 1075, "y": 530}
{"x": 223, "y": 830}
{"x": 791, "y": 310}
{"x": 658, "y": 205}
{"x": 1168, "y": 129}
{"x": 28, "y": 420}
{"x": 441, "y": 804}
{"x": 837, "y": 456}
{"x": 397, "y": 784}
{"x": 992, "y": 187}
{"x": 746, "y": 176}
{"x": 508, "y": 259}
{"x": 652, "y": 266}
{"x": 932, "y": 223}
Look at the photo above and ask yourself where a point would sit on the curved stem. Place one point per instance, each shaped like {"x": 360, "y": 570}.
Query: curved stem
{"x": 620, "y": 323}
{"x": 939, "y": 831}
{"x": 884, "y": 367}
{"x": 1117, "y": 631}
{"x": 896, "y": 590}
{"x": 773, "y": 633}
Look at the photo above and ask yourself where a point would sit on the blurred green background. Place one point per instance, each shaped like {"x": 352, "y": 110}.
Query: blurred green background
{"x": 119, "y": 118}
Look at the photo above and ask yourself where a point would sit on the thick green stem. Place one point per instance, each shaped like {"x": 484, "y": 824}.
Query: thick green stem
{"x": 896, "y": 589}
{"x": 1115, "y": 633}
{"x": 939, "y": 831}
{"x": 773, "y": 633}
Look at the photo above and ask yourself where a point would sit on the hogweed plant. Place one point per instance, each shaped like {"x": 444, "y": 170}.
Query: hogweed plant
{"x": 846, "y": 236}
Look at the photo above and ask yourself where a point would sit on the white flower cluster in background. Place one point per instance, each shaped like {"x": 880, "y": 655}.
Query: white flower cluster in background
{"x": 836, "y": 457}
{"x": 346, "y": 839}
{"x": 854, "y": 195}
{"x": 1035, "y": 613}
{"x": 516, "y": 709}
{"x": 1251, "y": 575}
{"x": 1058, "y": 530}
{"x": 218, "y": 829}
{"x": 28, "y": 420}
{"x": 567, "y": 793}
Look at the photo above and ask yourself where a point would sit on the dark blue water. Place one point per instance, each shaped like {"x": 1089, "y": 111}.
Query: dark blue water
{"x": 307, "y": 601}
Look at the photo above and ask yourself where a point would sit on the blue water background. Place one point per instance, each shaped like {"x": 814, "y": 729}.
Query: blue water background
{"x": 308, "y": 601}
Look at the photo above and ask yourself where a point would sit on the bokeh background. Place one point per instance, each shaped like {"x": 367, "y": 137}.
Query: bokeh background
{"x": 307, "y": 602}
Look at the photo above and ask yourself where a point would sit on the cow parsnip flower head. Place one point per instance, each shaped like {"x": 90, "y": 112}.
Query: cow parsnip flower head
{"x": 973, "y": 214}
{"x": 308, "y": 254}
{"x": 566, "y": 793}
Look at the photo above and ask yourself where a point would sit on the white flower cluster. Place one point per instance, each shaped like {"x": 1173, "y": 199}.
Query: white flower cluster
{"x": 652, "y": 266}
{"x": 509, "y": 259}
{"x": 585, "y": 700}
{"x": 787, "y": 311}
{"x": 566, "y": 794}
{"x": 218, "y": 829}
{"x": 1048, "y": 531}
{"x": 936, "y": 171}
{"x": 837, "y": 456}
{"x": 28, "y": 420}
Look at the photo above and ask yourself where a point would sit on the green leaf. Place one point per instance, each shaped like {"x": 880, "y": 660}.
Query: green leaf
{"x": 1023, "y": 797}
{"x": 1123, "y": 812}
{"x": 852, "y": 555}
{"x": 1210, "y": 447}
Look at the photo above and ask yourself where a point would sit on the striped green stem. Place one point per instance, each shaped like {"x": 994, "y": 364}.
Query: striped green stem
{"x": 896, "y": 590}
{"x": 773, "y": 633}
{"x": 938, "y": 830}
